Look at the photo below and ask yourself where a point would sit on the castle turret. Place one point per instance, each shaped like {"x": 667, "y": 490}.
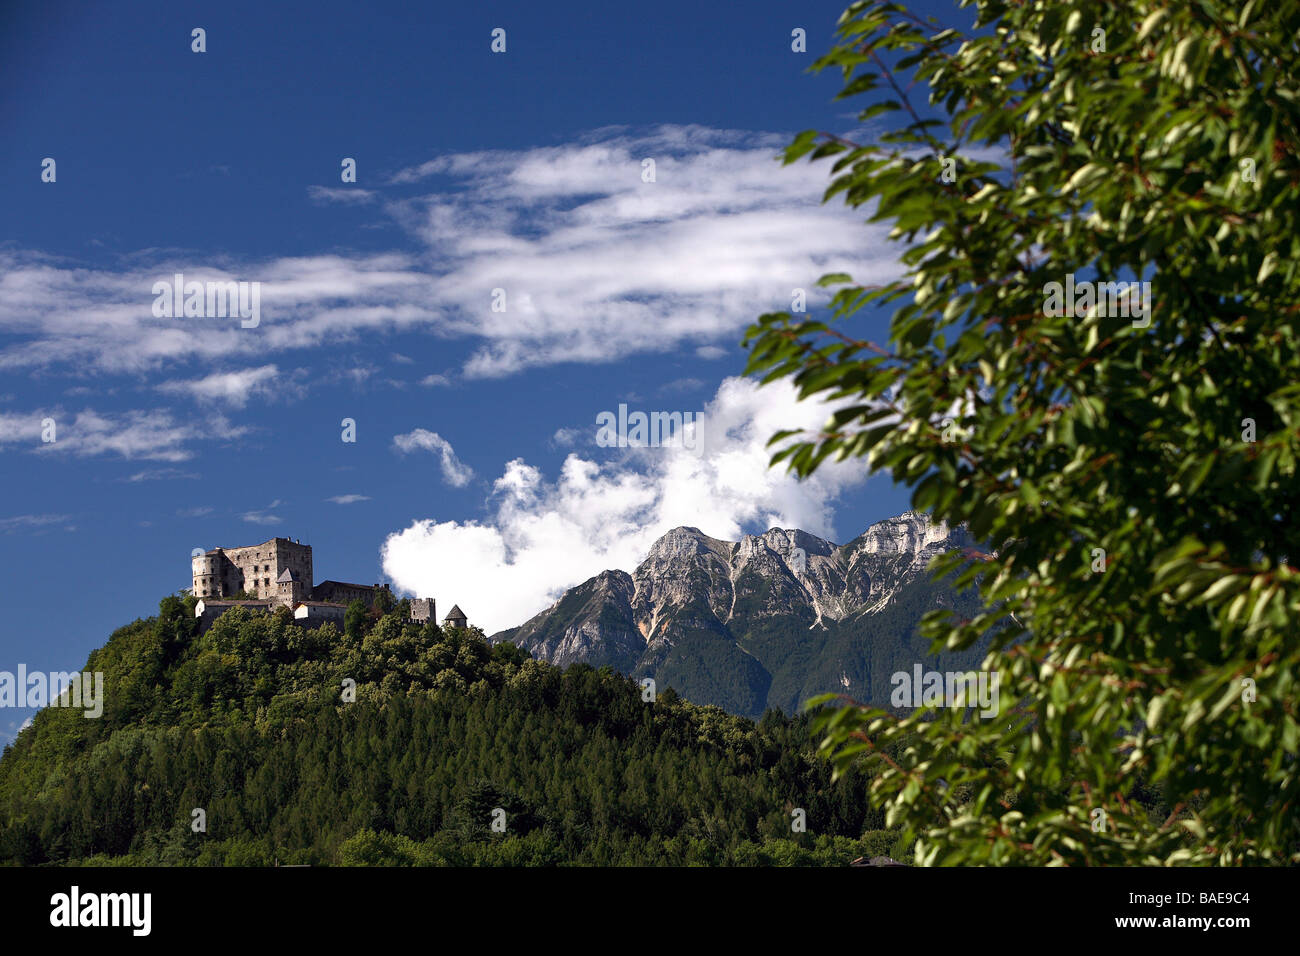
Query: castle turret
{"x": 456, "y": 617}
{"x": 211, "y": 573}
{"x": 289, "y": 587}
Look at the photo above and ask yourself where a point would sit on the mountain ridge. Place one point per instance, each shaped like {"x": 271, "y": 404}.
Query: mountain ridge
{"x": 763, "y": 621}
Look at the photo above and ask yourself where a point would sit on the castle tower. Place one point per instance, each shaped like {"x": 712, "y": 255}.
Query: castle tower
{"x": 456, "y": 617}
{"x": 289, "y": 588}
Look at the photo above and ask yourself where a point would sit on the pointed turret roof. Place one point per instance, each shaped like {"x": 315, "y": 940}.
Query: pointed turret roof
{"x": 286, "y": 576}
{"x": 455, "y": 614}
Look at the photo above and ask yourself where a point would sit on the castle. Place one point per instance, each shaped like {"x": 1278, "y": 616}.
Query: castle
{"x": 279, "y": 573}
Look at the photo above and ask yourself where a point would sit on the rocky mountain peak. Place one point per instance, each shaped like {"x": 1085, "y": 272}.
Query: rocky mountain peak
{"x": 912, "y": 531}
{"x": 679, "y": 543}
{"x": 755, "y": 621}
{"x": 784, "y": 541}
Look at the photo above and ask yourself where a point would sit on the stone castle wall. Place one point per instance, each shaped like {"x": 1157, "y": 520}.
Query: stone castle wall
{"x": 339, "y": 592}
{"x": 222, "y": 572}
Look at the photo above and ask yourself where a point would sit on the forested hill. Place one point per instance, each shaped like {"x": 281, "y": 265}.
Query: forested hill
{"x": 247, "y": 723}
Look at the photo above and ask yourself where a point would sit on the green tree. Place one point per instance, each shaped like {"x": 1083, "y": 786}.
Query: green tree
{"x": 355, "y": 619}
{"x": 1133, "y": 471}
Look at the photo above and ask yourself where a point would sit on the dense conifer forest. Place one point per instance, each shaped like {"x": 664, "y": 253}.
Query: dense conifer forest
{"x": 249, "y": 724}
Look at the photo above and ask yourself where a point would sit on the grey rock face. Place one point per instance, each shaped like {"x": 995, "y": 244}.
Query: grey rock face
{"x": 693, "y": 594}
{"x": 592, "y": 622}
{"x": 911, "y": 532}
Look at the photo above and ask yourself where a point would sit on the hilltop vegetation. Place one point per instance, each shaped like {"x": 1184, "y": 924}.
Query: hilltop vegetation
{"x": 248, "y": 723}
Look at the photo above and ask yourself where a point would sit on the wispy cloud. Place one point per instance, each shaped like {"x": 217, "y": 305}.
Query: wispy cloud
{"x": 102, "y": 320}
{"x": 336, "y": 194}
{"x": 263, "y": 515}
{"x": 568, "y": 437}
{"x": 30, "y": 522}
{"x": 146, "y": 434}
{"x": 681, "y": 385}
{"x": 595, "y": 264}
{"x": 348, "y": 499}
{"x": 160, "y": 474}
{"x": 455, "y": 472}
{"x": 235, "y": 388}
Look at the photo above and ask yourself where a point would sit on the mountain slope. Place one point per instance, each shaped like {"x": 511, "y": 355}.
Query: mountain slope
{"x": 767, "y": 621}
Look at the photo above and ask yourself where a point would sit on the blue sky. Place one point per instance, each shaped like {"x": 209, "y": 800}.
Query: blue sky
{"x": 475, "y": 477}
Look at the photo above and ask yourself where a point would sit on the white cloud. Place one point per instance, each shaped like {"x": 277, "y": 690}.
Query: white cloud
{"x": 153, "y": 434}
{"x": 232, "y": 388}
{"x": 546, "y": 536}
{"x": 28, "y": 522}
{"x": 352, "y": 197}
{"x": 348, "y": 499}
{"x": 596, "y": 264}
{"x": 358, "y": 375}
{"x": 568, "y": 437}
{"x": 160, "y": 474}
{"x": 261, "y": 517}
{"x": 455, "y": 472}
{"x": 102, "y": 320}
{"x": 680, "y": 385}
